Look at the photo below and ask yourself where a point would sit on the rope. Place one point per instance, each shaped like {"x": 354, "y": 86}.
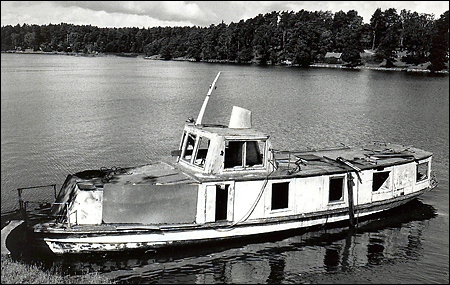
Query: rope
{"x": 252, "y": 208}
{"x": 110, "y": 172}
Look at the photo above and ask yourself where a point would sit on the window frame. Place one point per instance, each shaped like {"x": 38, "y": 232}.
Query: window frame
{"x": 184, "y": 149}
{"x": 426, "y": 176}
{"x": 284, "y": 200}
{"x": 195, "y": 147}
{"x": 262, "y": 144}
{"x": 342, "y": 198}
{"x": 380, "y": 187}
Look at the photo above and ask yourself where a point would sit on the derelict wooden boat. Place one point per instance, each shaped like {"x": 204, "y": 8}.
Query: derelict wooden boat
{"x": 227, "y": 182}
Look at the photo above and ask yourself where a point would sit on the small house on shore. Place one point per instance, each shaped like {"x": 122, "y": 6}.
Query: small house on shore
{"x": 333, "y": 57}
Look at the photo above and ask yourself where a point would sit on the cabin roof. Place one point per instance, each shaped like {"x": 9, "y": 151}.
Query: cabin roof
{"x": 325, "y": 162}
{"x": 230, "y": 133}
{"x": 333, "y": 54}
{"x": 313, "y": 163}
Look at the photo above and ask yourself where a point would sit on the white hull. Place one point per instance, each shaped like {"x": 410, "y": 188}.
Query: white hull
{"x": 172, "y": 236}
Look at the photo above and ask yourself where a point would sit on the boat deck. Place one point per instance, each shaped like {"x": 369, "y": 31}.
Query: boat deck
{"x": 331, "y": 161}
{"x": 288, "y": 164}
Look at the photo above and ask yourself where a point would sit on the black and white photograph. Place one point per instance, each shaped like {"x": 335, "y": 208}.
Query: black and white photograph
{"x": 225, "y": 142}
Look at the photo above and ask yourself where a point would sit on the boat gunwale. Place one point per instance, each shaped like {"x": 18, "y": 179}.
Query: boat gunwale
{"x": 160, "y": 229}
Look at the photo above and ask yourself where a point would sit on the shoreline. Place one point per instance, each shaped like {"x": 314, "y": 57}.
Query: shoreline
{"x": 379, "y": 68}
{"x": 71, "y": 53}
{"x": 422, "y": 68}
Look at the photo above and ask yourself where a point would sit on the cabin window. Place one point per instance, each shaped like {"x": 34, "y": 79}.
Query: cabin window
{"x": 233, "y": 154}
{"x": 202, "y": 151}
{"x": 380, "y": 179}
{"x": 280, "y": 195}
{"x": 422, "y": 171}
{"x": 245, "y": 154}
{"x": 336, "y": 192}
{"x": 188, "y": 147}
{"x": 253, "y": 153}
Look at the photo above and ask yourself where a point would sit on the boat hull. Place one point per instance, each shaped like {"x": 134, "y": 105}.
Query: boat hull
{"x": 147, "y": 237}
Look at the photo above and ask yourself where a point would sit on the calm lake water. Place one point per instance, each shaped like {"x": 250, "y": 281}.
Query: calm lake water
{"x": 64, "y": 114}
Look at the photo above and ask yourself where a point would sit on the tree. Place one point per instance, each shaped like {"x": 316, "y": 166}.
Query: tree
{"x": 390, "y": 36}
{"x": 165, "y": 51}
{"x": 300, "y": 37}
{"x": 262, "y": 43}
{"x": 440, "y": 43}
{"x": 302, "y": 45}
{"x": 244, "y": 37}
{"x": 209, "y": 43}
{"x": 378, "y": 26}
{"x": 30, "y": 40}
{"x": 222, "y": 42}
{"x": 348, "y": 28}
{"x": 352, "y": 56}
{"x": 194, "y": 44}
{"x": 416, "y": 35}
{"x": 7, "y": 35}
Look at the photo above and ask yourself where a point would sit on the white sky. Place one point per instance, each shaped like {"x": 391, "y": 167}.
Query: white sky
{"x": 145, "y": 14}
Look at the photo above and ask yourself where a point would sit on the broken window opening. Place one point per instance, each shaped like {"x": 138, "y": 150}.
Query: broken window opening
{"x": 422, "y": 171}
{"x": 336, "y": 191}
{"x": 380, "y": 179}
{"x": 245, "y": 154}
{"x": 202, "y": 151}
{"x": 189, "y": 147}
{"x": 253, "y": 153}
{"x": 280, "y": 196}
{"x": 233, "y": 153}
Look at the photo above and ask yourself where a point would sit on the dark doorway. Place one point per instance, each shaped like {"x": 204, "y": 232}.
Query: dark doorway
{"x": 221, "y": 202}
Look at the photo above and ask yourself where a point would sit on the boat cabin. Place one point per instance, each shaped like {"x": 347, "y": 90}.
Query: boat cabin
{"x": 218, "y": 150}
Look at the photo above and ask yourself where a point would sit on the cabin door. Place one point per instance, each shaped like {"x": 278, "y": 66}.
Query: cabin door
{"x": 221, "y": 202}
{"x": 218, "y": 203}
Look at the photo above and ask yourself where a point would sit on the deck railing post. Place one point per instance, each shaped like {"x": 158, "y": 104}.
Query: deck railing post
{"x": 22, "y": 205}
{"x": 68, "y": 215}
{"x": 19, "y": 192}
{"x": 351, "y": 210}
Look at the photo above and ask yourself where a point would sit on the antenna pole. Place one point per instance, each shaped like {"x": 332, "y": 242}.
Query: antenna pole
{"x": 202, "y": 110}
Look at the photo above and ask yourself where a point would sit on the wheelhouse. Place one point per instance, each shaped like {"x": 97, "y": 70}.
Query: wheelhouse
{"x": 222, "y": 150}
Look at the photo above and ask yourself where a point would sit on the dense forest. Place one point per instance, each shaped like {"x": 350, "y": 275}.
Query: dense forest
{"x": 301, "y": 38}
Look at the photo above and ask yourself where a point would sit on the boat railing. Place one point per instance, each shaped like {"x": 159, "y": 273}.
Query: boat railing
{"x": 43, "y": 207}
{"x": 292, "y": 161}
{"x": 23, "y": 204}
{"x": 287, "y": 160}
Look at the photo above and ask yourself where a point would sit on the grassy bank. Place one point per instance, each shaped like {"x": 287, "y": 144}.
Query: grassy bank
{"x": 14, "y": 272}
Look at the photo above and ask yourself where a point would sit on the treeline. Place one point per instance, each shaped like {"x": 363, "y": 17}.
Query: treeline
{"x": 301, "y": 37}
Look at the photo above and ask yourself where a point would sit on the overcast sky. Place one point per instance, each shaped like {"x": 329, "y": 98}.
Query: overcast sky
{"x": 145, "y": 14}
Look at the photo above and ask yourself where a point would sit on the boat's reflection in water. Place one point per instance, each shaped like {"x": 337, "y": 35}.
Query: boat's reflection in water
{"x": 284, "y": 257}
